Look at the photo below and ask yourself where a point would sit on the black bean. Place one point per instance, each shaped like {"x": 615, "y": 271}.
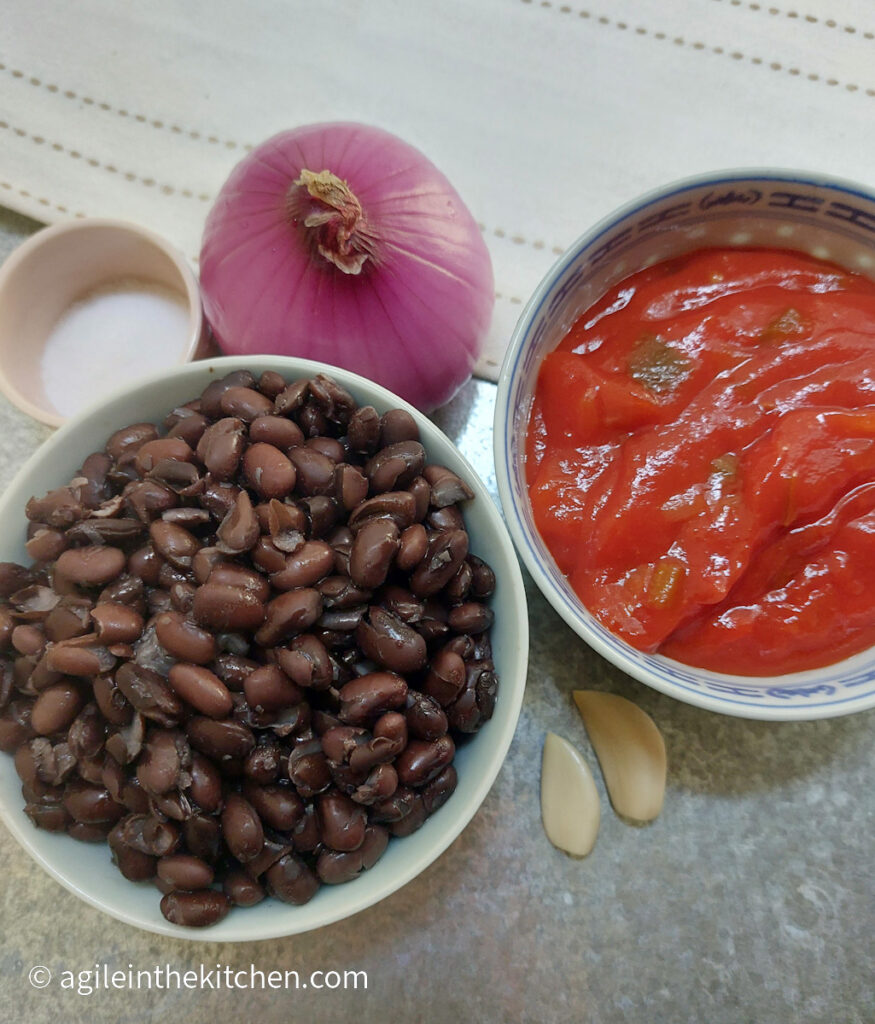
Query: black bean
{"x": 364, "y": 430}
{"x": 448, "y": 518}
{"x": 202, "y": 836}
{"x": 272, "y": 850}
{"x": 202, "y": 689}
{"x": 268, "y": 688}
{"x": 335, "y": 402}
{"x": 238, "y": 531}
{"x": 225, "y": 607}
{"x": 113, "y": 704}
{"x": 306, "y": 661}
{"x": 350, "y": 486}
{"x": 47, "y": 544}
{"x": 364, "y": 699}
{"x": 91, "y": 566}
{"x": 195, "y": 909}
{"x": 445, "y": 678}
{"x": 308, "y": 769}
{"x": 394, "y": 466}
{"x": 269, "y": 471}
{"x": 381, "y": 783}
{"x": 242, "y": 890}
{"x": 86, "y": 832}
{"x": 334, "y": 868}
{"x": 278, "y": 431}
{"x": 412, "y": 548}
{"x": 210, "y": 400}
{"x": 446, "y": 488}
{"x": 395, "y": 807}
{"x": 117, "y": 623}
{"x": 271, "y": 383}
{"x": 457, "y": 589}
{"x": 242, "y": 829}
{"x": 373, "y": 551}
{"x": 231, "y": 574}
{"x": 342, "y": 822}
{"x": 245, "y": 403}
{"x": 291, "y": 881}
{"x": 315, "y": 471}
{"x": 129, "y": 439}
{"x": 425, "y": 717}
{"x": 135, "y": 865}
{"x": 311, "y": 562}
{"x": 292, "y": 397}
{"x": 90, "y": 804}
{"x": 412, "y": 820}
{"x": 183, "y": 871}
{"x": 148, "y": 693}
{"x": 397, "y": 425}
{"x": 219, "y": 740}
{"x": 399, "y": 506}
{"x": 205, "y": 787}
{"x": 471, "y": 618}
{"x": 187, "y": 424}
{"x": 152, "y": 452}
{"x": 280, "y": 807}
{"x": 391, "y": 643}
{"x": 286, "y": 525}
{"x": 290, "y": 613}
{"x": 423, "y": 760}
{"x": 184, "y": 639}
{"x": 436, "y": 793}
{"x": 483, "y": 578}
{"x": 55, "y": 708}
{"x": 221, "y": 447}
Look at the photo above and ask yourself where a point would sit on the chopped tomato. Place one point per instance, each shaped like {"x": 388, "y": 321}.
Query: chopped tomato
{"x": 702, "y": 460}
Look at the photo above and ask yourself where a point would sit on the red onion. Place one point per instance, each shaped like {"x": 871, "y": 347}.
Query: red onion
{"x": 340, "y": 242}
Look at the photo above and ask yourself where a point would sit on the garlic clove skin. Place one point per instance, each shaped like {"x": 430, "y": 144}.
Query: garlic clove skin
{"x": 570, "y": 807}
{"x": 630, "y": 750}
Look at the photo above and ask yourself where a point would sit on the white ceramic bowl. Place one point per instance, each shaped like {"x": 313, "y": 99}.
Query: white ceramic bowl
{"x": 90, "y": 265}
{"x": 828, "y": 218}
{"x": 85, "y": 869}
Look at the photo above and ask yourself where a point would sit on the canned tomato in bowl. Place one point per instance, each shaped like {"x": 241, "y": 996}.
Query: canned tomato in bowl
{"x": 620, "y": 337}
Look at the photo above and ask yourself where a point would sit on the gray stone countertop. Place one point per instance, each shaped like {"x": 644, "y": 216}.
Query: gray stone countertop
{"x": 751, "y": 898}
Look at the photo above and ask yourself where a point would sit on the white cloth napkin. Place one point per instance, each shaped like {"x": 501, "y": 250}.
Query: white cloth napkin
{"x": 545, "y": 115}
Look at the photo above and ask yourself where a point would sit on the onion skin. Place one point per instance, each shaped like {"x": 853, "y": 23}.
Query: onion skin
{"x": 413, "y": 311}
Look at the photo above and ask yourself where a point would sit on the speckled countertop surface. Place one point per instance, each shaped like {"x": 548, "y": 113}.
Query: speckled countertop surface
{"x": 751, "y": 899}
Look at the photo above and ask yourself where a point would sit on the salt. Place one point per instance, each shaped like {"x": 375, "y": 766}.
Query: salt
{"x": 109, "y": 337}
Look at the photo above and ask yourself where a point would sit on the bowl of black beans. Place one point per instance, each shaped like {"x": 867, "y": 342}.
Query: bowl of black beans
{"x": 263, "y": 645}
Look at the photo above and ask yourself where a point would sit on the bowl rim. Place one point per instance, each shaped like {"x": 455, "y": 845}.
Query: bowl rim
{"x": 30, "y": 247}
{"x": 513, "y": 682}
{"x": 751, "y": 710}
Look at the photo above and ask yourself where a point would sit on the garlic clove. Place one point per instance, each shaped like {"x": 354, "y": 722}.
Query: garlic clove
{"x": 631, "y": 753}
{"x": 570, "y": 806}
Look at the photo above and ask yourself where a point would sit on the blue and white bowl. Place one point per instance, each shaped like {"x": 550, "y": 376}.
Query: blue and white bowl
{"x": 830, "y": 219}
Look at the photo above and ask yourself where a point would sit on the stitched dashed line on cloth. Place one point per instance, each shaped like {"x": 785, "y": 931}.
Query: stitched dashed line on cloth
{"x": 810, "y": 19}
{"x": 537, "y": 243}
{"x": 74, "y": 154}
{"x": 152, "y": 122}
{"x": 42, "y": 200}
{"x": 698, "y": 45}
{"x": 191, "y": 133}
